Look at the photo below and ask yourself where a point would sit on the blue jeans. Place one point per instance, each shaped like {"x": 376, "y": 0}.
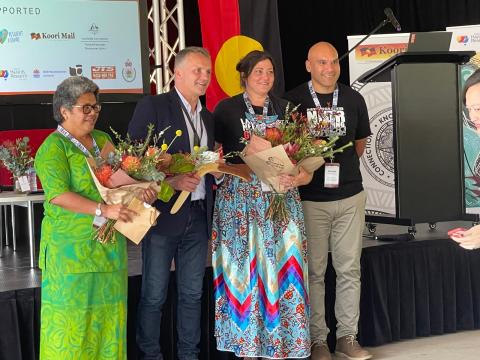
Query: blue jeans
{"x": 190, "y": 253}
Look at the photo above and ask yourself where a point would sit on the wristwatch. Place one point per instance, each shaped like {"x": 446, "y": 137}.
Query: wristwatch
{"x": 98, "y": 210}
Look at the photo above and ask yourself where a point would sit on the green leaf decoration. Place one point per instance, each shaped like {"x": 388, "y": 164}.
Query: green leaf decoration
{"x": 166, "y": 192}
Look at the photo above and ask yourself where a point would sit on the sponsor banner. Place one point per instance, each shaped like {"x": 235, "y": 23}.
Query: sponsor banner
{"x": 44, "y": 42}
{"x": 104, "y": 72}
{"x": 465, "y": 38}
{"x": 468, "y": 38}
{"x": 377, "y": 163}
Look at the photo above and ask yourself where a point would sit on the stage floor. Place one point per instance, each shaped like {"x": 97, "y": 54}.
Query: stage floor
{"x": 424, "y": 287}
{"x": 15, "y": 272}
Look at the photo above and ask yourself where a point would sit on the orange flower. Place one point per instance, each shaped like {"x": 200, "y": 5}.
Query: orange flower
{"x": 103, "y": 173}
{"x": 288, "y": 295}
{"x": 273, "y": 135}
{"x": 130, "y": 163}
{"x": 214, "y": 235}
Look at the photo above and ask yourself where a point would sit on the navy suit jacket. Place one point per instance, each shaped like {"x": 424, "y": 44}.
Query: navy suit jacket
{"x": 162, "y": 111}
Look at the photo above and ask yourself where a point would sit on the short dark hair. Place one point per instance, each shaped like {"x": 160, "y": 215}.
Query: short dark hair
{"x": 474, "y": 79}
{"x": 248, "y": 62}
{"x": 68, "y": 92}
{"x": 182, "y": 54}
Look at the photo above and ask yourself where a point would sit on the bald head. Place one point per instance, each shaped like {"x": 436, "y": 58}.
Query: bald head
{"x": 322, "y": 64}
{"x": 322, "y": 48}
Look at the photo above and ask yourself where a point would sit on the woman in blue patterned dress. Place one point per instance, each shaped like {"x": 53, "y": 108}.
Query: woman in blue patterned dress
{"x": 260, "y": 268}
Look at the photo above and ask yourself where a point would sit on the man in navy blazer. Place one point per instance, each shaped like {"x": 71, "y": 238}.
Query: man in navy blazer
{"x": 183, "y": 236}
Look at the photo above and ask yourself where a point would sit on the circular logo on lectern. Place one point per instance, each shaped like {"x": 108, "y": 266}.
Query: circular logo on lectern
{"x": 378, "y": 157}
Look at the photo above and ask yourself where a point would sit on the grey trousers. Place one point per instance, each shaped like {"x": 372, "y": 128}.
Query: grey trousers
{"x": 336, "y": 226}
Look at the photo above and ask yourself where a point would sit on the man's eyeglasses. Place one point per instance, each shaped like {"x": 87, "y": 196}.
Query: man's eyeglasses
{"x": 87, "y": 108}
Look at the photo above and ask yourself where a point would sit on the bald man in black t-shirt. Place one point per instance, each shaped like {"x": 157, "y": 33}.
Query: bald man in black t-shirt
{"x": 334, "y": 201}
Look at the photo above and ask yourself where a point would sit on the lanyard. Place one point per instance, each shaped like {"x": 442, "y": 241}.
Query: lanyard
{"x": 266, "y": 104}
{"x": 315, "y": 98}
{"x": 78, "y": 144}
{"x": 196, "y": 138}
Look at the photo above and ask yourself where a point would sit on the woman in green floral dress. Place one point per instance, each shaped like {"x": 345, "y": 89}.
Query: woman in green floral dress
{"x": 84, "y": 282}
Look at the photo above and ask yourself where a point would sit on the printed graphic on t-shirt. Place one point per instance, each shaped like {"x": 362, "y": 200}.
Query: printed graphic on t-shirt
{"x": 256, "y": 123}
{"x": 326, "y": 122}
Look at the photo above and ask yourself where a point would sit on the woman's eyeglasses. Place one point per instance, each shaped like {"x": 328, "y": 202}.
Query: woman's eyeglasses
{"x": 87, "y": 108}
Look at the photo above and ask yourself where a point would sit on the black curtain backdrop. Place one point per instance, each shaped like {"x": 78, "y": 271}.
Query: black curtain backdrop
{"x": 303, "y": 23}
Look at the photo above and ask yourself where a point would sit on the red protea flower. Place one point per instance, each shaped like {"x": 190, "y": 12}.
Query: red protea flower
{"x": 273, "y": 135}
{"x": 130, "y": 163}
{"x": 103, "y": 173}
{"x": 291, "y": 149}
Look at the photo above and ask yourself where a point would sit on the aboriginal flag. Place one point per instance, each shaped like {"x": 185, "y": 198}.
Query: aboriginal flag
{"x": 230, "y": 30}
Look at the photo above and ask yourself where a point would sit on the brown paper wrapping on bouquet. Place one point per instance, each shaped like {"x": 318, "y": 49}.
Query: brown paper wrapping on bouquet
{"x": 136, "y": 230}
{"x": 126, "y": 195}
{"x": 209, "y": 168}
{"x": 268, "y": 163}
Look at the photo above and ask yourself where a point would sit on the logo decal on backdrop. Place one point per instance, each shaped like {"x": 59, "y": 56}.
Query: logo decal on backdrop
{"x": 58, "y": 36}
{"x": 36, "y": 73}
{"x": 91, "y": 40}
{"x": 378, "y": 157}
{"x": 4, "y": 74}
{"x": 378, "y": 160}
{"x": 18, "y": 74}
{"x": 49, "y": 73}
{"x": 94, "y": 29}
{"x": 104, "y": 72}
{"x": 462, "y": 39}
{"x": 3, "y": 35}
{"x": 128, "y": 72}
{"x": 375, "y": 52}
{"x": 10, "y": 37}
{"x": 76, "y": 70}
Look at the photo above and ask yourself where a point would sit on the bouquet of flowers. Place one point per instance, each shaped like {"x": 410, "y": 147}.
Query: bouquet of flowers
{"x": 202, "y": 161}
{"x": 16, "y": 157}
{"x": 283, "y": 150}
{"x": 122, "y": 173}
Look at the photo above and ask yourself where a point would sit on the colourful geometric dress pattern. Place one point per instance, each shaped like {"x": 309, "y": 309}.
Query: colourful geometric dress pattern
{"x": 260, "y": 274}
{"x": 84, "y": 282}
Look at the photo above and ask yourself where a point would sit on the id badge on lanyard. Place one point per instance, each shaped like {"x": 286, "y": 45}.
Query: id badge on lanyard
{"x": 332, "y": 175}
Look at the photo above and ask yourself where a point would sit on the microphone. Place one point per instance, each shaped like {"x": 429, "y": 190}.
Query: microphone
{"x": 390, "y": 19}
{"x": 393, "y": 20}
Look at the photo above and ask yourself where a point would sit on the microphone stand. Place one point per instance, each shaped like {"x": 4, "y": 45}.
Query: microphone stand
{"x": 379, "y": 26}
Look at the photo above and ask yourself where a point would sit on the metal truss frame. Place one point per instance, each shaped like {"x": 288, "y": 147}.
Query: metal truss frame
{"x": 167, "y": 21}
